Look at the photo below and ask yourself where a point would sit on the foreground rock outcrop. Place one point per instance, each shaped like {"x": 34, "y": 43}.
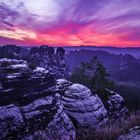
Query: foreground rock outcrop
{"x": 34, "y": 104}
{"x": 28, "y": 104}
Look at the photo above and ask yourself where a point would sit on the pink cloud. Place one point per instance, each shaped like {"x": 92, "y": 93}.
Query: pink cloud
{"x": 78, "y": 22}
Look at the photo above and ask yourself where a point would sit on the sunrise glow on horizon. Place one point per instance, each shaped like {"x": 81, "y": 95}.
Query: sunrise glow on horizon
{"x": 71, "y": 23}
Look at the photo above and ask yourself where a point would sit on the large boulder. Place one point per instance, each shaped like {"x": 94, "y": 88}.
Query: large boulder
{"x": 84, "y": 108}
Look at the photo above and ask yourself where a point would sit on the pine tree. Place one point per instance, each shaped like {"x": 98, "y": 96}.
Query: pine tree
{"x": 93, "y": 75}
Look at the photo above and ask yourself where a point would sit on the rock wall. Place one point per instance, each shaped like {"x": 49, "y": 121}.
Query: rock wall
{"x": 47, "y": 58}
{"x": 43, "y": 56}
{"x": 28, "y": 104}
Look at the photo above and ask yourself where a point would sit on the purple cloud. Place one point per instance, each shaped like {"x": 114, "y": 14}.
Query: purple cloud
{"x": 46, "y": 17}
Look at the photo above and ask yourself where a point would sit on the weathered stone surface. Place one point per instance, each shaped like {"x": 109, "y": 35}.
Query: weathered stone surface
{"x": 11, "y": 120}
{"x": 29, "y": 103}
{"x": 60, "y": 127}
{"x": 116, "y": 105}
{"x": 34, "y": 105}
{"x": 86, "y": 108}
{"x": 133, "y": 134}
{"x": 62, "y": 84}
{"x": 82, "y": 107}
{"x": 43, "y": 56}
{"x": 47, "y": 58}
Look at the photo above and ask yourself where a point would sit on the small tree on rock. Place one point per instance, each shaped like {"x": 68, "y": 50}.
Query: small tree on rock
{"x": 93, "y": 75}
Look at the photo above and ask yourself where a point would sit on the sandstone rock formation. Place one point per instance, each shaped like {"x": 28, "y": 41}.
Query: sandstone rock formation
{"x": 50, "y": 59}
{"x": 84, "y": 108}
{"x": 44, "y": 56}
{"x": 28, "y": 104}
{"x": 115, "y": 105}
{"x": 34, "y": 104}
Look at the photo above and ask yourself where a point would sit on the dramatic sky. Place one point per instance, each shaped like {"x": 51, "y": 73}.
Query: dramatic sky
{"x": 70, "y": 22}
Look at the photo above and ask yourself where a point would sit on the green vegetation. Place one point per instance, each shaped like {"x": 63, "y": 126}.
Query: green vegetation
{"x": 93, "y": 75}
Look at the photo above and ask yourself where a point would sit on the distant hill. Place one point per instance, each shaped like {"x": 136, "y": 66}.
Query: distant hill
{"x": 135, "y": 52}
{"x": 122, "y": 67}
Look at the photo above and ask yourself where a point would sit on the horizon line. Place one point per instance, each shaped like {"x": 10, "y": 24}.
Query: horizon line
{"x": 68, "y": 46}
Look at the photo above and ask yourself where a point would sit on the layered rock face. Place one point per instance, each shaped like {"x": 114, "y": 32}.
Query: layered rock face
{"x": 47, "y": 58}
{"x": 36, "y": 105}
{"x": 84, "y": 108}
{"x": 44, "y": 56}
{"x": 28, "y": 104}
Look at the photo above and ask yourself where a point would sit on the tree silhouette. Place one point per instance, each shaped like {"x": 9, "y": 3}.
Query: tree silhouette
{"x": 93, "y": 74}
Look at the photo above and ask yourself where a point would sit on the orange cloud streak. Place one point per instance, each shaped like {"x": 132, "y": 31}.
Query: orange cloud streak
{"x": 63, "y": 36}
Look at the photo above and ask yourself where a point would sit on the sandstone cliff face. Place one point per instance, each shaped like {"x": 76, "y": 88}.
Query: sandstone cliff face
{"x": 34, "y": 102}
{"x": 28, "y": 104}
{"x": 47, "y": 58}
{"x": 43, "y": 56}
